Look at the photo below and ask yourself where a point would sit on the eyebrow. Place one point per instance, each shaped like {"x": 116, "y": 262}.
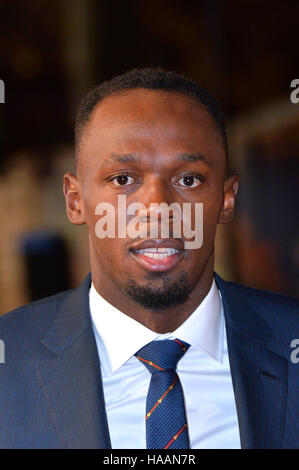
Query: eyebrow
{"x": 121, "y": 158}
{"x": 130, "y": 158}
{"x": 197, "y": 157}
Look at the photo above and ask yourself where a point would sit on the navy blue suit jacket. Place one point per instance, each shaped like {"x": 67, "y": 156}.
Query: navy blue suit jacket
{"x": 51, "y": 394}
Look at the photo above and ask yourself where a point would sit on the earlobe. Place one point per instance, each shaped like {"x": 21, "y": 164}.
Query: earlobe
{"x": 72, "y": 193}
{"x": 230, "y": 191}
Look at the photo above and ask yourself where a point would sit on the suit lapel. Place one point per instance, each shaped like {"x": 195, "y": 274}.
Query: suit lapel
{"x": 71, "y": 381}
{"x": 259, "y": 374}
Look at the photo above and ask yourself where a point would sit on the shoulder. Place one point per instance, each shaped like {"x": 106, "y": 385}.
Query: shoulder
{"x": 277, "y": 310}
{"x": 257, "y": 296}
{"x": 34, "y": 319}
{"x": 40, "y": 312}
{"x": 23, "y": 330}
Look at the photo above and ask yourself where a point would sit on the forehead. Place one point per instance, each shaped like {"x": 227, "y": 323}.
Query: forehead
{"x": 159, "y": 121}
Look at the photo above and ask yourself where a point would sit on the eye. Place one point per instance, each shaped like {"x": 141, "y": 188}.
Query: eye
{"x": 123, "y": 180}
{"x": 189, "y": 181}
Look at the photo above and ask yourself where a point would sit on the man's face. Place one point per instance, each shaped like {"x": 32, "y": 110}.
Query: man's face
{"x": 152, "y": 147}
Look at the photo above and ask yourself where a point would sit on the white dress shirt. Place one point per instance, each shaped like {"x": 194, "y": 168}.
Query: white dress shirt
{"x": 204, "y": 373}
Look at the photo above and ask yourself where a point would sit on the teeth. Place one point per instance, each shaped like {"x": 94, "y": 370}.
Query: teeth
{"x": 159, "y": 256}
{"x": 158, "y": 250}
{"x": 157, "y": 253}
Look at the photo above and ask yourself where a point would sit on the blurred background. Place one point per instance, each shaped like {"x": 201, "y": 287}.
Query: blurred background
{"x": 53, "y": 51}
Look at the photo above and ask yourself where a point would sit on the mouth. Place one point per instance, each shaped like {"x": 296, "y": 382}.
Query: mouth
{"x": 154, "y": 257}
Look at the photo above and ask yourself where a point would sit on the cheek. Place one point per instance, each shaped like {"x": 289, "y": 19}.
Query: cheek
{"x": 211, "y": 209}
{"x": 210, "y": 222}
{"x": 110, "y": 256}
{"x": 206, "y": 217}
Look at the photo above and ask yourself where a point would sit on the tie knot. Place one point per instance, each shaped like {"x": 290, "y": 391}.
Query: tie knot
{"x": 158, "y": 356}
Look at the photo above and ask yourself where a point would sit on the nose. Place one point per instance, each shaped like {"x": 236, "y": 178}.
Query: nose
{"x": 156, "y": 196}
{"x": 156, "y": 191}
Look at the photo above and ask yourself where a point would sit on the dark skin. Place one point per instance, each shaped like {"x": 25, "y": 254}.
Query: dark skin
{"x": 156, "y": 127}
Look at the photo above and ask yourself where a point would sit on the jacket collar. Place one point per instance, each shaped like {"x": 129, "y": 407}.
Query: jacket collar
{"x": 71, "y": 320}
{"x": 236, "y": 305}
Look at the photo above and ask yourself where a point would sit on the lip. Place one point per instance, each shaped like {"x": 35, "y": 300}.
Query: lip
{"x": 158, "y": 265}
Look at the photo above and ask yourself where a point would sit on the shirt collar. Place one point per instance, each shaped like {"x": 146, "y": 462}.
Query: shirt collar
{"x": 203, "y": 329}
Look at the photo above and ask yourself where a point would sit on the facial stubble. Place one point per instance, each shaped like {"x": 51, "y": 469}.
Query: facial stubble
{"x": 169, "y": 294}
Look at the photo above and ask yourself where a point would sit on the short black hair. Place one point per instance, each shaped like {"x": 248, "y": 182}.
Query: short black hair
{"x": 153, "y": 78}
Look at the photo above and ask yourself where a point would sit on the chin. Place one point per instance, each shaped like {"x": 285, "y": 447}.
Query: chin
{"x": 169, "y": 292}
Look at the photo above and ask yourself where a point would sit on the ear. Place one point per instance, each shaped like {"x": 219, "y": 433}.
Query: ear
{"x": 73, "y": 199}
{"x": 230, "y": 191}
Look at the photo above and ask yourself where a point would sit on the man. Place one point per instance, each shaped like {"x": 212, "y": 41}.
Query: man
{"x": 153, "y": 349}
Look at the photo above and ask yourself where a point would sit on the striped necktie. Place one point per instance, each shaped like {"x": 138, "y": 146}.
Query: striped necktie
{"x": 166, "y": 422}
